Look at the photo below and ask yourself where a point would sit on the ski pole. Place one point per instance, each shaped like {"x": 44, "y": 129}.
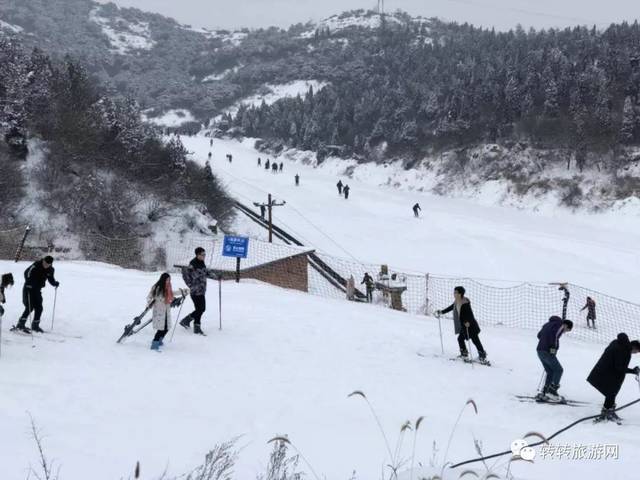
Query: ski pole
{"x": 440, "y": 328}
{"x": 53, "y": 314}
{"x": 175, "y": 324}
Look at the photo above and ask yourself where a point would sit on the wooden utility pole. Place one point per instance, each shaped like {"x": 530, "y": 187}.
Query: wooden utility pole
{"x": 270, "y": 204}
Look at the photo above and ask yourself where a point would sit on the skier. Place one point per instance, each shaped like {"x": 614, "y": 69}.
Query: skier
{"x": 416, "y": 208}
{"x": 259, "y": 161}
{"x": 548, "y": 345}
{"x": 5, "y": 281}
{"x": 465, "y": 324}
{"x": 281, "y": 166}
{"x": 229, "y": 157}
{"x": 266, "y": 165}
{"x": 591, "y": 312}
{"x": 207, "y": 170}
{"x": 297, "y": 179}
{"x": 367, "y": 280}
{"x": 608, "y": 374}
{"x": 262, "y": 211}
{"x": 274, "y": 167}
{"x": 339, "y": 185}
{"x": 35, "y": 278}
{"x": 209, "y": 155}
{"x": 346, "y": 191}
{"x": 162, "y": 295}
{"x": 211, "y": 142}
{"x": 195, "y": 276}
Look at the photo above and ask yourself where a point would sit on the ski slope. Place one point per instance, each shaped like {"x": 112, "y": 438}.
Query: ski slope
{"x": 454, "y": 237}
{"x": 284, "y": 363}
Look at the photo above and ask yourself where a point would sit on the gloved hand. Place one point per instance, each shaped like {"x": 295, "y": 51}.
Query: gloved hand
{"x": 184, "y": 292}
{"x": 57, "y": 284}
{"x": 467, "y": 324}
{"x": 553, "y": 351}
{"x": 636, "y": 370}
{"x": 438, "y": 313}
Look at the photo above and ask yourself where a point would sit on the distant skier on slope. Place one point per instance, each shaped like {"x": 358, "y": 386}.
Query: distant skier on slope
{"x": 209, "y": 156}
{"x": 591, "y": 312}
{"x": 465, "y": 324}
{"x": 281, "y": 166}
{"x": 162, "y": 295}
{"x": 207, "y": 170}
{"x": 259, "y": 161}
{"x": 367, "y": 280}
{"x": 339, "y": 185}
{"x": 266, "y": 164}
{"x": 609, "y": 372}
{"x": 274, "y": 168}
{"x": 416, "y": 209}
{"x": 547, "y": 349}
{"x": 195, "y": 276}
{"x": 229, "y": 157}
{"x": 35, "y": 278}
{"x": 297, "y": 180}
{"x": 346, "y": 191}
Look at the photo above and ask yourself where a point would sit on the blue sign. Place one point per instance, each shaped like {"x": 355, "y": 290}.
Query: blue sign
{"x": 235, "y": 247}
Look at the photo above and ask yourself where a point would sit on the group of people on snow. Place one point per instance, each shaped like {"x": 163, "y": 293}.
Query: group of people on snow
{"x": 607, "y": 376}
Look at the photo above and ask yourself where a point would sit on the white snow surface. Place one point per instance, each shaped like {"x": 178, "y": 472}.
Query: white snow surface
{"x": 171, "y": 118}
{"x": 271, "y": 93}
{"x": 219, "y": 76}
{"x": 127, "y": 37}
{"x": 9, "y": 26}
{"x": 284, "y": 363}
{"x": 458, "y": 237}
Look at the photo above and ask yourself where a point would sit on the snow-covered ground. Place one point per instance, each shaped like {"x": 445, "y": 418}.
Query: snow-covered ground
{"x": 127, "y": 37}
{"x": 454, "y": 237}
{"x": 171, "y": 118}
{"x": 271, "y": 93}
{"x": 284, "y": 363}
{"x": 11, "y": 27}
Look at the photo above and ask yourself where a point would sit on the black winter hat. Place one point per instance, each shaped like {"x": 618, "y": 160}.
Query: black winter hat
{"x": 48, "y": 259}
{"x": 7, "y": 279}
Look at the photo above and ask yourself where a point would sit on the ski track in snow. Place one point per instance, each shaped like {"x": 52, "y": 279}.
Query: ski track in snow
{"x": 454, "y": 237}
{"x": 101, "y": 406}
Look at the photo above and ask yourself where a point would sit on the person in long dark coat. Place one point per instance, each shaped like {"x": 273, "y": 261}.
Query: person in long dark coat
{"x": 608, "y": 374}
{"x": 465, "y": 324}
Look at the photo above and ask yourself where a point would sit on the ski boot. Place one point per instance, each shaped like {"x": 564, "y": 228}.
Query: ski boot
{"x": 35, "y": 327}
{"x": 21, "y": 327}
{"x": 186, "y": 322}
{"x": 552, "y": 395}
{"x": 197, "y": 330}
{"x": 482, "y": 358}
{"x": 155, "y": 345}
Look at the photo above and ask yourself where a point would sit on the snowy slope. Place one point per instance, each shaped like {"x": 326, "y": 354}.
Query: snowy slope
{"x": 284, "y": 363}
{"x": 454, "y": 237}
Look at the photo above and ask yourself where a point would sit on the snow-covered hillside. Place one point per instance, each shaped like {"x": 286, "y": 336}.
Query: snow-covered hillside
{"x": 283, "y": 363}
{"x": 124, "y": 36}
{"x": 454, "y": 237}
{"x": 271, "y": 93}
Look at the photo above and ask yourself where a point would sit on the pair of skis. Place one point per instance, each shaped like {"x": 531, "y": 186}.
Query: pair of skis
{"x": 137, "y": 325}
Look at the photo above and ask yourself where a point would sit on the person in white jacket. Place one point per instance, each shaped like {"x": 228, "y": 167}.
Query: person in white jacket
{"x": 162, "y": 295}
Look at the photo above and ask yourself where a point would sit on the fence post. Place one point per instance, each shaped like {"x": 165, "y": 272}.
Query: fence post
{"x": 21, "y": 246}
{"x": 426, "y": 303}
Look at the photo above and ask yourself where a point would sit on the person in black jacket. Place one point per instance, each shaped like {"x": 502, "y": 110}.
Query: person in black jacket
{"x": 416, "y": 209}
{"x": 35, "y": 278}
{"x": 591, "y": 312}
{"x": 608, "y": 374}
{"x": 548, "y": 345}
{"x": 464, "y": 323}
{"x": 339, "y": 185}
{"x": 5, "y": 281}
{"x": 195, "y": 276}
{"x": 367, "y": 280}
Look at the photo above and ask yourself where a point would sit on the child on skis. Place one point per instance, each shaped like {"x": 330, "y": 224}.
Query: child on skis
{"x": 163, "y": 296}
